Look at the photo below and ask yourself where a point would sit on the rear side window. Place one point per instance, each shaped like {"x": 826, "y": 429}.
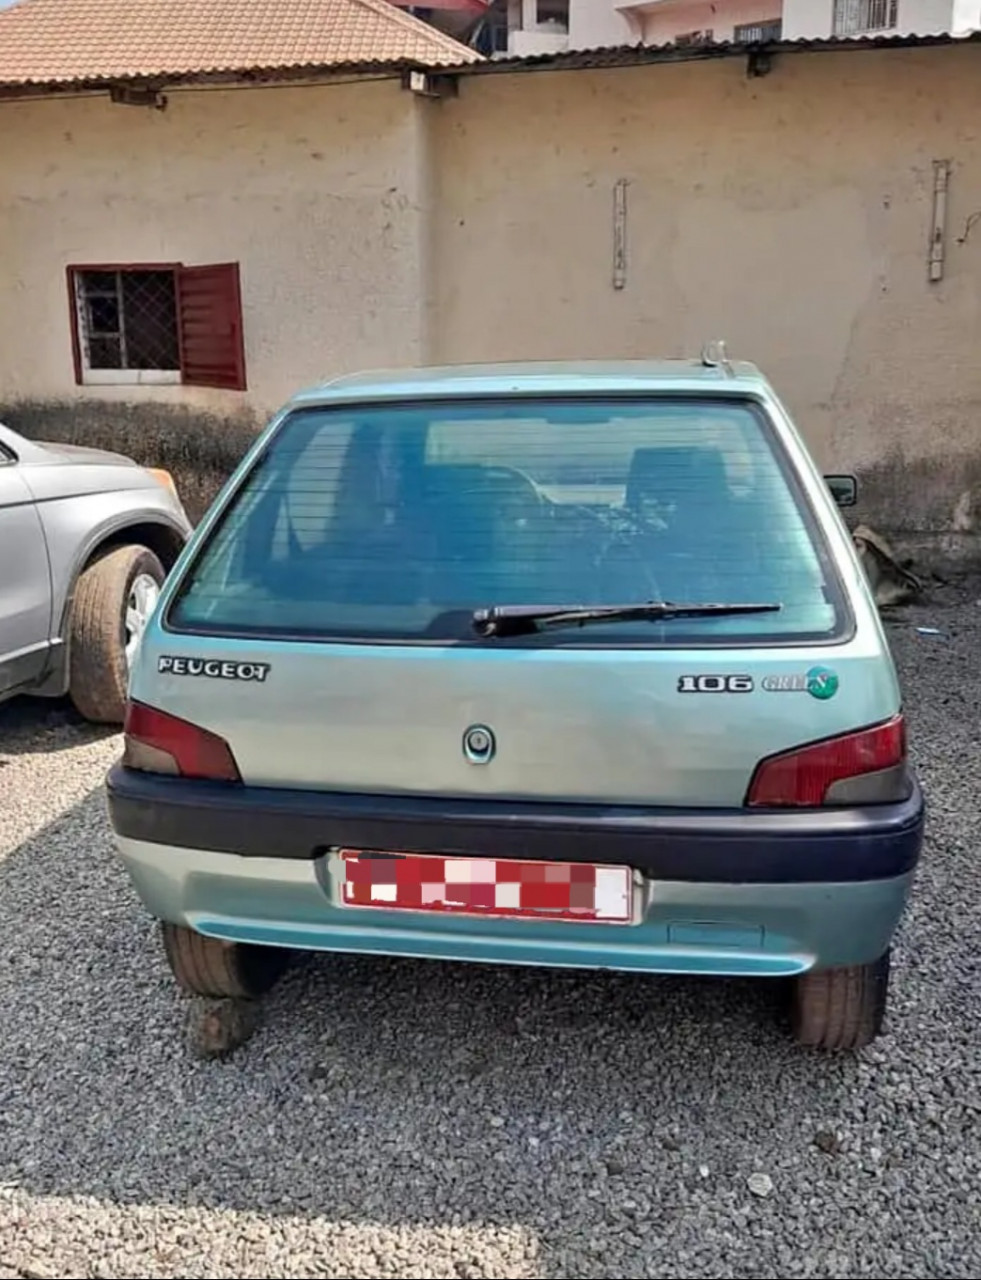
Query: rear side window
{"x": 395, "y": 522}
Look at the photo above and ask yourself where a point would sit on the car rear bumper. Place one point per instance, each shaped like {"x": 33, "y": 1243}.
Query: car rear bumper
{"x": 744, "y": 845}
{"x": 740, "y": 894}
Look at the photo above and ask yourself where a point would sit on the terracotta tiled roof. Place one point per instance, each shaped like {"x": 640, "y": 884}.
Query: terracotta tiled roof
{"x": 60, "y": 42}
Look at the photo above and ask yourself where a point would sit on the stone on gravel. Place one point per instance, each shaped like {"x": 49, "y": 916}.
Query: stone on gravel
{"x": 217, "y": 1028}
{"x": 761, "y": 1184}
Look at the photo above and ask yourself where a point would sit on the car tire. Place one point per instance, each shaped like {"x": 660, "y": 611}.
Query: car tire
{"x": 218, "y": 969}
{"x": 98, "y": 662}
{"x": 841, "y": 1008}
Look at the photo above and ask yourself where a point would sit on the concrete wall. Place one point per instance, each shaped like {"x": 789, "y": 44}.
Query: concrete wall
{"x": 332, "y": 249}
{"x": 788, "y": 214}
{"x": 595, "y": 23}
{"x": 813, "y": 19}
{"x": 532, "y": 44}
{"x": 924, "y": 17}
{"x": 966, "y": 17}
{"x": 662, "y": 22}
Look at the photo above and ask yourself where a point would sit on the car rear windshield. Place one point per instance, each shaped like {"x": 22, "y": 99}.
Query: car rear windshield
{"x": 394, "y": 523}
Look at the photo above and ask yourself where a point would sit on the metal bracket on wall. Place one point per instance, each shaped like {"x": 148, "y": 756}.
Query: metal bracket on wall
{"x": 758, "y": 63}
{"x": 124, "y": 95}
{"x": 426, "y": 85}
{"x": 941, "y": 181}
{"x": 620, "y": 233}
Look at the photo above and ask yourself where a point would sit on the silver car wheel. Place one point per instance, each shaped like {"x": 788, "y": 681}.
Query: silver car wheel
{"x": 143, "y": 595}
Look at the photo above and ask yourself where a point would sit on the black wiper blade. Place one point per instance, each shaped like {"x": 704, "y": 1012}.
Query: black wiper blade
{"x": 526, "y": 619}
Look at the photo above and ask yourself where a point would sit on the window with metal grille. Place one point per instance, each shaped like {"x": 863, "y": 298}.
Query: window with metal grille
{"x": 496, "y": 38}
{"x": 857, "y": 17}
{"x": 157, "y": 324}
{"x": 758, "y": 32}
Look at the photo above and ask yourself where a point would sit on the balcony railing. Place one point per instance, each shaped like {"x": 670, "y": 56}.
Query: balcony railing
{"x": 860, "y": 17}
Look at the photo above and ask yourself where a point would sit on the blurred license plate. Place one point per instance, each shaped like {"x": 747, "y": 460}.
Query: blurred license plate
{"x": 573, "y": 891}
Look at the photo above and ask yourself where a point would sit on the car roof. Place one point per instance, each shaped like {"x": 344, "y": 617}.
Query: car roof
{"x": 538, "y": 378}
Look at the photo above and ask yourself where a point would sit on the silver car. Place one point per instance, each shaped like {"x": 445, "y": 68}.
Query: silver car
{"x": 86, "y": 540}
{"x": 569, "y": 665}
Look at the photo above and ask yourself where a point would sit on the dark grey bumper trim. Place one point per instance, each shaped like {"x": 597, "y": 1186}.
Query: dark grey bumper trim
{"x": 738, "y": 846}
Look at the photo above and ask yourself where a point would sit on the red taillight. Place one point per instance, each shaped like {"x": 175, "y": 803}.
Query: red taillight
{"x": 156, "y": 742}
{"x": 803, "y": 777}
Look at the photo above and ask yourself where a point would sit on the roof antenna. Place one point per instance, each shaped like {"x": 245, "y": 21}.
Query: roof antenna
{"x": 714, "y": 356}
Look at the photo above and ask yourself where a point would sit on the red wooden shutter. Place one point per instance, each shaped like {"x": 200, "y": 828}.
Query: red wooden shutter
{"x": 209, "y": 308}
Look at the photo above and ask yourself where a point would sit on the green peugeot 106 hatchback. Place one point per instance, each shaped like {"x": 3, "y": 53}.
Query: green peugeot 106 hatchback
{"x": 543, "y": 664}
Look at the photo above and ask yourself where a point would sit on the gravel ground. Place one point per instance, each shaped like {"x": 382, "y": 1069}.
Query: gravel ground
{"x": 411, "y": 1119}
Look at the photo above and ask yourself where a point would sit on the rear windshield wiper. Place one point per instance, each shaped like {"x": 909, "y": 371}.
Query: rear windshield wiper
{"x": 526, "y": 619}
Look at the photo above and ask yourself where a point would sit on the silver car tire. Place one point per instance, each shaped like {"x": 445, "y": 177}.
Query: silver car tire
{"x": 114, "y": 597}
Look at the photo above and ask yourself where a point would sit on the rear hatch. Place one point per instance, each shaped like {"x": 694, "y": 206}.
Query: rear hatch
{"x": 327, "y": 626}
